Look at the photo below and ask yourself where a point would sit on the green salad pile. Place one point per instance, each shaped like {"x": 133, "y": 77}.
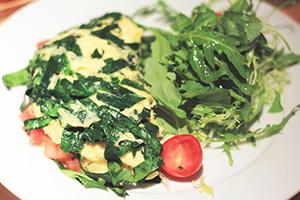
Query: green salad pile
{"x": 216, "y": 73}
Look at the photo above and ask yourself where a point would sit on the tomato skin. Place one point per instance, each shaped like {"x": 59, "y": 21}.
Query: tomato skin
{"x": 72, "y": 164}
{"x": 182, "y": 156}
{"x": 219, "y": 14}
{"x": 41, "y": 44}
{"x": 36, "y": 137}
{"x": 53, "y": 151}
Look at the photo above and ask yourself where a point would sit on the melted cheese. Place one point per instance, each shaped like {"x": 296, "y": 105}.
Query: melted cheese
{"x": 127, "y": 136}
{"x": 68, "y": 118}
{"x": 87, "y": 66}
{"x": 54, "y": 130}
{"x": 93, "y": 152}
{"x": 94, "y": 160}
{"x": 36, "y": 110}
{"x": 46, "y": 53}
{"x": 129, "y": 73}
{"x": 152, "y": 175}
{"x": 53, "y": 81}
{"x": 128, "y": 158}
{"x": 130, "y": 31}
{"x": 89, "y": 43}
{"x": 142, "y": 94}
{"x": 132, "y": 161}
{"x": 95, "y": 167}
{"x": 136, "y": 108}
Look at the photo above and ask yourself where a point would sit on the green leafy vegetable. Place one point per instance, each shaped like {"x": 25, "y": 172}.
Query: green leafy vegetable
{"x": 41, "y": 122}
{"x": 96, "y": 54}
{"x": 221, "y": 70}
{"x": 156, "y": 76}
{"x": 82, "y": 178}
{"x": 276, "y": 105}
{"x": 71, "y": 141}
{"x": 17, "y": 78}
{"x": 113, "y": 66}
{"x": 70, "y": 44}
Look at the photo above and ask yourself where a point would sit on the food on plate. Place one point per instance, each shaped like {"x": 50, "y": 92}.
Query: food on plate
{"x": 88, "y": 107}
{"x": 219, "y": 69}
{"x": 104, "y": 97}
{"x": 182, "y": 156}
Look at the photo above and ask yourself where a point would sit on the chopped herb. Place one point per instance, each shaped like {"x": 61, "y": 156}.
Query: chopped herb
{"x": 114, "y": 65}
{"x": 70, "y": 44}
{"x": 96, "y": 54}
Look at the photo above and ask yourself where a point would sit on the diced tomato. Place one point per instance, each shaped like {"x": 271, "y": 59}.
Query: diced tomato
{"x": 182, "y": 156}
{"x": 54, "y": 152}
{"x": 73, "y": 164}
{"x": 41, "y": 43}
{"x": 36, "y": 137}
{"x": 219, "y": 14}
{"x": 27, "y": 114}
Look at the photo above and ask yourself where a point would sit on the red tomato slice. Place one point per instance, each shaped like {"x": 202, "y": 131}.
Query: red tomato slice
{"x": 41, "y": 43}
{"x": 36, "y": 137}
{"x": 182, "y": 156}
{"x": 27, "y": 114}
{"x": 53, "y": 151}
{"x": 73, "y": 164}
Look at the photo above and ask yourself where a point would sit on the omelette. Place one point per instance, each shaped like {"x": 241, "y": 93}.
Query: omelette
{"x": 86, "y": 95}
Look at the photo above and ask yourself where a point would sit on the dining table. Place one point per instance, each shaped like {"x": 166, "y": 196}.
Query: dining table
{"x": 10, "y": 7}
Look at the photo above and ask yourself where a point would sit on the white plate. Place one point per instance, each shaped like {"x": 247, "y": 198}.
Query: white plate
{"x": 269, "y": 171}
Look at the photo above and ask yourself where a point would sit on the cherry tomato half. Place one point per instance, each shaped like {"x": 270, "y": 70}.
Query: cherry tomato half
{"x": 182, "y": 156}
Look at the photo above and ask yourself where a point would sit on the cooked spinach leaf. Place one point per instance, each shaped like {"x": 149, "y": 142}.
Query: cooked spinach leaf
{"x": 71, "y": 141}
{"x": 96, "y": 54}
{"x": 41, "y": 122}
{"x": 114, "y": 65}
{"x": 70, "y": 44}
{"x": 21, "y": 77}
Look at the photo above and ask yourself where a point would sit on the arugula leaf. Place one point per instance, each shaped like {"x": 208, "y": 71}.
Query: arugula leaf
{"x": 246, "y": 27}
{"x": 221, "y": 44}
{"x": 240, "y": 6}
{"x": 276, "y": 105}
{"x": 181, "y": 23}
{"x": 164, "y": 90}
{"x": 226, "y": 149}
{"x": 270, "y": 130}
{"x": 214, "y": 97}
{"x": 282, "y": 60}
{"x": 191, "y": 89}
{"x": 203, "y": 18}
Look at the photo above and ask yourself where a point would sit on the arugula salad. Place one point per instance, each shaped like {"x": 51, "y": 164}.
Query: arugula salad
{"x": 115, "y": 103}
